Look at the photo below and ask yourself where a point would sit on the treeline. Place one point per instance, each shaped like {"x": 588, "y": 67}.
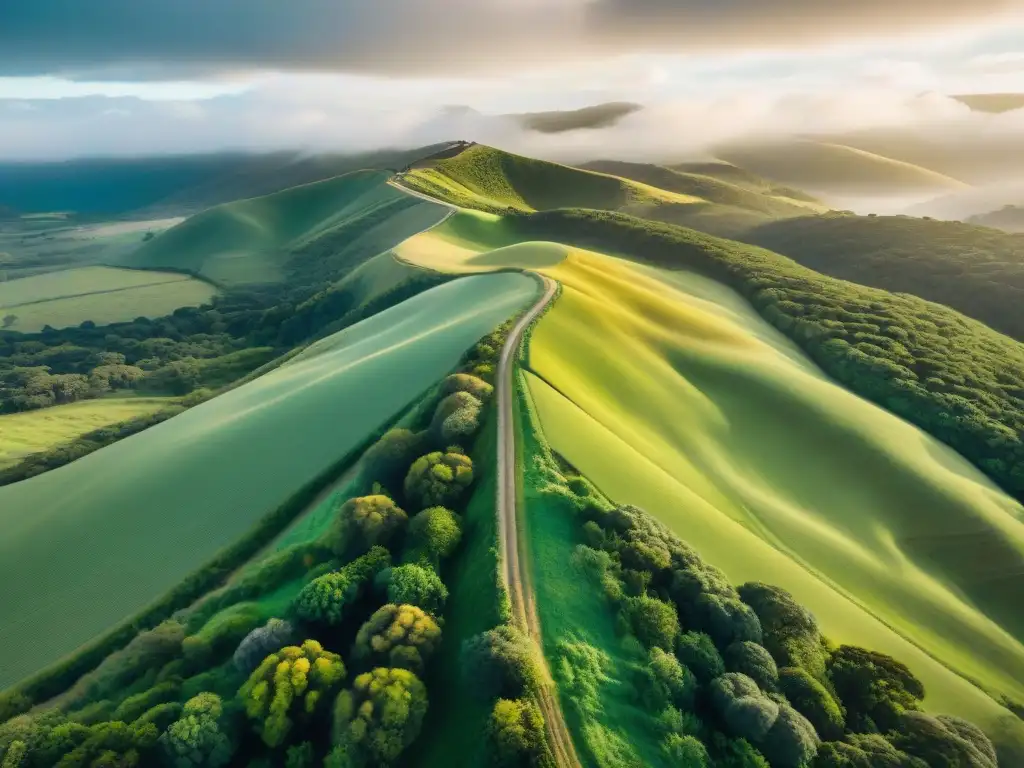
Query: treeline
{"x": 741, "y": 677}
{"x": 952, "y": 376}
{"x": 315, "y": 656}
{"x": 975, "y": 270}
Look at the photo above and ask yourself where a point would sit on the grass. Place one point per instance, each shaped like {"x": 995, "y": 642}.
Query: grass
{"x": 89, "y": 543}
{"x": 669, "y": 392}
{"x": 261, "y": 240}
{"x": 590, "y": 662}
{"x": 101, "y": 294}
{"x": 494, "y": 181}
{"x": 22, "y": 434}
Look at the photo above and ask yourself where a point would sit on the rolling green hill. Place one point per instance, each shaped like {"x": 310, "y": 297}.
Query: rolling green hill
{"x": 269, "y": 239}
{"x": 976, "y": 270}
{"x": 90, "y": 543}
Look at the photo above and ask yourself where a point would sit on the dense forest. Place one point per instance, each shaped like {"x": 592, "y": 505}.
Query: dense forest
{"x": 317, "y": 654}
{"x": 976, "y": 270}
{"x": 952, "y": 376}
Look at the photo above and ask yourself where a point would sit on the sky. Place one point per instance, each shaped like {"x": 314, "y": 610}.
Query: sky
{"x": 127, "y": 77}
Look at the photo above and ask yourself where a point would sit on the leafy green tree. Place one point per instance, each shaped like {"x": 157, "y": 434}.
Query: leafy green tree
{"x": 950, "y": 744}
{"x": 300, "y": 756}
{"x": 735, "y": 753}
{"x": 197, "y": 739}
{"x": 686, "y": 750}
{"x": 417, "y": 585}
{"x": 790, "y": 631}
{"x": 875, "y": 689}
{"x": 868, "y": 750}
{"x": 500, "y": 662}
{"x": 753, "y": 661}
{"x": 260, "y": 642}
{"x": 697, "y": 652}
{"x": 516, "y": 734}
{"x": 812, "y": 700}
{"x": 464, "y": 382}
{"x": 456, "y": 419}
{"x": 399, "y": 635}
{"x": 112, "y": 745}
{"x": 666, "y": 682}
{"x": 379, "y": 717}
{"x": 434, "y": 534}
{"x": 653, "y": 621}
{"x": 387, "y": 460}
{"x": 438, "y": 479}
{"x": 289, "y": 684}
{"x": 325, "y": 599}
{"x": 367, "y": 521}
{"x": 727, "y": 620}
{"x": 134, "y": 706}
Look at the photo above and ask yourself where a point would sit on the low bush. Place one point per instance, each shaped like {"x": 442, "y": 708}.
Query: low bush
{"x": 261, "y": 642}
{"x": 500, "y": 663}
{"x": 438, "y": 479}
{"x": 325, "y": 599}
{"x": 516, "y": 735}
{"x": 387, "y": 460}
{"x": 434, "y": 534}
{"x": 413, "y": 584}
{"x": 400, "y": 636}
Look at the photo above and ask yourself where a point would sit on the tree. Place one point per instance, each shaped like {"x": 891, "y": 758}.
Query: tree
{"x": 464, "y": 382}
{"x": 727, "y": 620}
{"x": 262, "y": 641}
{"x": 790, "y": 631}
{"x": 300, "y": 756}
{"x": 697, "y": 652}
{"x": 438, "y": 479}
{"x": 516, "y": 734}
{"x": 325, "y": 599}
{"x": 869, "y": 750}
{"x": 653, "y": 621}
{"x": 196, "y": 739}
{"x": 500, "y": 663}
{"x": 666, "y": 682}
{"x": 875, "y": 689}
{"x": 434, "y": 534}
{"x": 387, "y": 460}
{"x": 456, "y": 418}
{"x": 686, "y": 751}
{"x": 399, "y": 635}
{"x": 417, "y": 585}
{"x": 367, "y": 521}
{"x": 289, "y": 684}
{"x": 380, "y": 715}
{"x": 753, "y": 661}
{"x": 9, "y": 320}
{"x": 950, "y": 744}
{"x": 812, "y": 700}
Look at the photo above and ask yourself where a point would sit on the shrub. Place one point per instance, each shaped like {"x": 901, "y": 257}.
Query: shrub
{"x": 500, "y": 663}
{"x": 686, "y": 751}
{"x": 162, "y": 715}
{"x": 289, "y": 684}
{"x": 864, "y": 751}
{"x": 812, "y": 700}
{"x": 133, "y": 707}
{"x": 727, "y": 620}
{"x": 196, "y": 739}
{"x": 791, "y": 742}
{"x": 456, "y": 418}
{"x": 438, "y": 479}
{"x": 753, "y": 661}
{"x": 735, "y": 753}
{"x": 434, "y": 534}
{"x": 111, "y": 745}
{"x": 666, "y": 682}
{"x": 653, "y": 621}
{"x": 325, "y": 599}
{"x": 300, "y": 756}
{"x": 261, "y": 642}
{"x": 415, "y": 585}
{"x": 697, "y": 652}
{"x": 221, "y": 635}
{"x": 790, "y": 631}
{"x": 367, "y": 521}
{"x": 516, "y": 733}
{"x": 403, "y": 636}
{"x": 463, "y": 382}
{"x": 942, "y": 744}
{"x": 380, "y": 715}
{"x": 875, "y": 689}
{"x": 387, "y": 460}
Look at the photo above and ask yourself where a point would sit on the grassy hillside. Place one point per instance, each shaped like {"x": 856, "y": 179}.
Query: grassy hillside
{"x": 22, "y": 434}
{"x": 101, "y": 294}
{"x": 1009, "y": 218}
{"x": 289, "y": 234}
{"x": 836, "y": 168}
{"x": 976, "y": 270}
{"x": 180, "y": 491}
{"x": 726, "y": 432}
{"x": 492, "y": 180}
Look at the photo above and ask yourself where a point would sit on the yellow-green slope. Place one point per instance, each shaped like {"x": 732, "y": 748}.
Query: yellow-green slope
{"x": 669, "y": 392}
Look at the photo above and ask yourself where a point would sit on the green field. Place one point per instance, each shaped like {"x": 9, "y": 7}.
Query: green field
{"x": 93, "y": 542}
{"x": 22, "y": 434}
{"x": 101, "y": 294}
{"x": 265, "y": 239}
{"x": 669, "y": 392}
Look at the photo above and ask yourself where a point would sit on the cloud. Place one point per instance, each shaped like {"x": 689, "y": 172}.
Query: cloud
{"x": 155, "y": 39}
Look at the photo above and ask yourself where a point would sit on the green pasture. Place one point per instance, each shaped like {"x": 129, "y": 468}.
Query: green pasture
{"x": 101, "y": 294}
{"x": 95, "y": 541}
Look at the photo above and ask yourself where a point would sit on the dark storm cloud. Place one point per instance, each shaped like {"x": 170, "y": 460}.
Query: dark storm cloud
{"x": 157, "y": 38}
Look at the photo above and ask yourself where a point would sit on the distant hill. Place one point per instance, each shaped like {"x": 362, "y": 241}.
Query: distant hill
{"x": 303, "y": 231}
{"x": 1010, "y": 218}
{"x": 113, "y": 187}
{"x": 976, "y": 270}
{"x": 560, "y": 121}
{"x": 825, "y": 168}
{"x": 994, "y": 103}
